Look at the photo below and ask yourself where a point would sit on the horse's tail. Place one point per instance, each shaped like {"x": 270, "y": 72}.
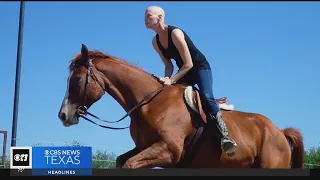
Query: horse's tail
{"x": 296, "y": 140}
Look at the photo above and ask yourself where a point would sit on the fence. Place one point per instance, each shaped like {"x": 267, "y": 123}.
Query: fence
{"x": 105, "y": 162}
{"x": 4, "y": 147}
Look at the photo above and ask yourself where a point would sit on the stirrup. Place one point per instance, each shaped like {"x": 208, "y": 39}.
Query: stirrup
{"x": 228, "y": 146}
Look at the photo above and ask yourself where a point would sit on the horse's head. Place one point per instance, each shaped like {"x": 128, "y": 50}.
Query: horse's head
{"x": 84, "y": 87}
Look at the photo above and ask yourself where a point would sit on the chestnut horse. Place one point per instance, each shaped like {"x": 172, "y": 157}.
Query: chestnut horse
{"x": 168, "y": 125}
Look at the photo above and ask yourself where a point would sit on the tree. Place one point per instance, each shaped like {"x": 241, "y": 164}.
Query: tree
{"x": 312, "y": 158}
{"x": 102, "y": 160}
{"x": 7, "y": 162}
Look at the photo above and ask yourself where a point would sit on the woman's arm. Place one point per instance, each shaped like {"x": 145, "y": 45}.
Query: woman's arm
{"x": 181, "y": 45}
{"x": 167, "y": 62}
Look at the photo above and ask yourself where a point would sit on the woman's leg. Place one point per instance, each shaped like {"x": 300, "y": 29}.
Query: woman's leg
{"x": 204, "y": 82}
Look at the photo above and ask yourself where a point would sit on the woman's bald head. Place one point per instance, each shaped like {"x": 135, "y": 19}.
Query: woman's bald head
{"x": 154, "y": 15}
{"x": 156, "y": 10}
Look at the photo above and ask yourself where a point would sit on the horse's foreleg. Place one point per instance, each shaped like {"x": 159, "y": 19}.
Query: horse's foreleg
{"x": 124, "y": 157}
{"x": 156, "y": 155}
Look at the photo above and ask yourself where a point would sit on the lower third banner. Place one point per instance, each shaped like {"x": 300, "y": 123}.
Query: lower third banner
{"x": 62, "y": 161}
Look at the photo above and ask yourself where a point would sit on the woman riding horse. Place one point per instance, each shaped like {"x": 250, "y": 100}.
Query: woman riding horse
{"x": 171, "y": 42}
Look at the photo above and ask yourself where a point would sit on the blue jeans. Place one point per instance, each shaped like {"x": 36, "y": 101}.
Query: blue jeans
{"x": 203, "y": 78}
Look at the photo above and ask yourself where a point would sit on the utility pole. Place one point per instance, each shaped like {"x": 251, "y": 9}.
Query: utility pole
{"x": 17, "y": 80}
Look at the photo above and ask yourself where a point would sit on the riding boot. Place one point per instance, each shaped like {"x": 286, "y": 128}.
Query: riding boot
{"x": 228, "y": 145}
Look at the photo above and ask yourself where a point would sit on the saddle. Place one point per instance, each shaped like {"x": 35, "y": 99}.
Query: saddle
{"x": 193, "y": 100}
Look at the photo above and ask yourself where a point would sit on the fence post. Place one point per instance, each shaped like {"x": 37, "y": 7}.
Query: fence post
{"x": 4, "y": 148}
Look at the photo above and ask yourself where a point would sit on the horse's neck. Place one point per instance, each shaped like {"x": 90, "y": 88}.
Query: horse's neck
{"x": 130, "y": 85}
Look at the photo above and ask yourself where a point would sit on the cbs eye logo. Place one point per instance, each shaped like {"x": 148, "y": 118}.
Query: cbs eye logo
{"x": 20, "y": 157}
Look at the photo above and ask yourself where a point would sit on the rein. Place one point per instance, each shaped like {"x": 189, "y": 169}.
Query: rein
{"x": 82, "y": 110}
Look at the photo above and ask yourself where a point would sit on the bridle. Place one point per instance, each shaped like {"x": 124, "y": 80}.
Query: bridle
{"x": 82, "y": 110}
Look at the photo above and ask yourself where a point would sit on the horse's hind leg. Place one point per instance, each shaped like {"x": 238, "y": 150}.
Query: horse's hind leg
{"x": 157, "y": 155}
{"x": 124, "y": 157}
{"x": 275, "y": 152}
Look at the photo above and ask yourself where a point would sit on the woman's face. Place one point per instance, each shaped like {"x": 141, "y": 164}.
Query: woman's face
{"x": 151, "y": 19}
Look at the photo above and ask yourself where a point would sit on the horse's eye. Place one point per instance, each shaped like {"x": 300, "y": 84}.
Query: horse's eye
{"x": 75, "y": 79}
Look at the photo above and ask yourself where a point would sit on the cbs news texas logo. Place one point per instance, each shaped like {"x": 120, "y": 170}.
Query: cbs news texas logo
{"x": 62, "y": 157}
{"x": 50, "y": 157}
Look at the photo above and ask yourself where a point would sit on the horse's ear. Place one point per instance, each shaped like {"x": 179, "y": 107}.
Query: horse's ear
{"x": 84, "y": 52}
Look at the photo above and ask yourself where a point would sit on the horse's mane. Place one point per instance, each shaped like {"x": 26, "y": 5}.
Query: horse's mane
{"x": 95, "y": 54}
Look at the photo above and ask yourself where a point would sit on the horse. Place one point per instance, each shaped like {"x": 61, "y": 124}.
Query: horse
{"x": 167, "y": 122}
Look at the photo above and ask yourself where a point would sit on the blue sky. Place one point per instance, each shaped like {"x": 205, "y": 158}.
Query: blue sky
{"x": 264, "y": 56}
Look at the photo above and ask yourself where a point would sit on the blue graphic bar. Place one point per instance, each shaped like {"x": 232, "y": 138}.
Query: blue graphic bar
{"x": 61, "y": 161}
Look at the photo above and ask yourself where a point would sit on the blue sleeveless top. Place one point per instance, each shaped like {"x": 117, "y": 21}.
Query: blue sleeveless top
{"x": 198, "y": 59}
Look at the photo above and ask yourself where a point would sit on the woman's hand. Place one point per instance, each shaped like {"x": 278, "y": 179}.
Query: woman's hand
{"x": 166, "y": 80}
